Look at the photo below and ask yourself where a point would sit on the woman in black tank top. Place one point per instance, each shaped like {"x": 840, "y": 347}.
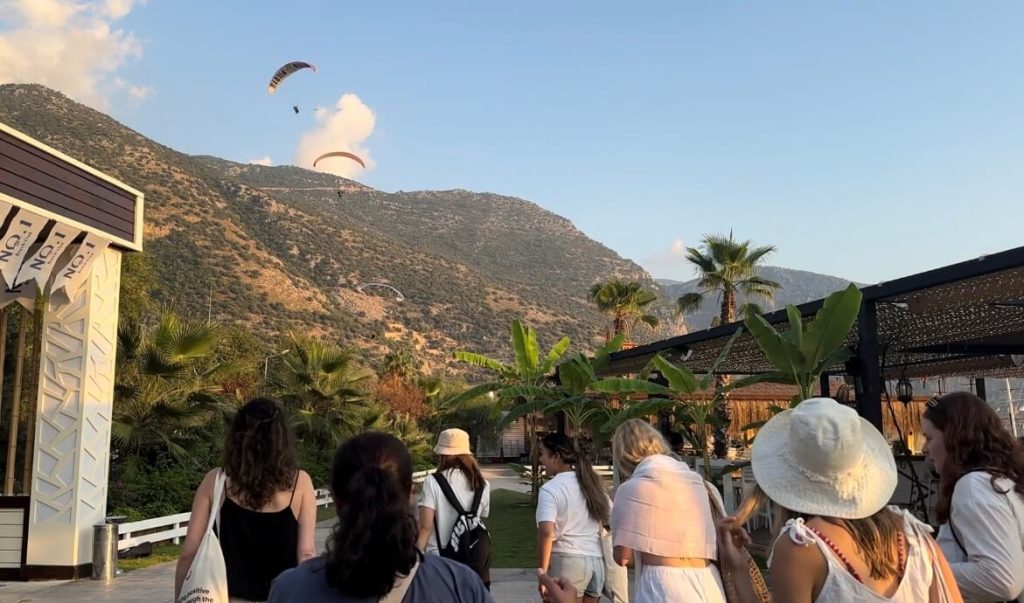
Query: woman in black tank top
{"x": 259, "y": 538}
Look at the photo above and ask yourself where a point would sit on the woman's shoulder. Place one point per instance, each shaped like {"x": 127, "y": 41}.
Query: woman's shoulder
{"x": 978, "y": 485}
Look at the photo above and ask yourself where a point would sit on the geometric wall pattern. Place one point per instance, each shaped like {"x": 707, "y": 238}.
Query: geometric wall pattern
{"x": 72, "y": 440}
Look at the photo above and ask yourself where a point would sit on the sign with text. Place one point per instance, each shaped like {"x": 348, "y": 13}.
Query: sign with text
{"x": 40, "y": 264}
{"x": 15, "y": 242}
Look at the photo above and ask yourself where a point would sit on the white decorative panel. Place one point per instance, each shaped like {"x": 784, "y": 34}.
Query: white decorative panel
{"x": 69, "y": 482}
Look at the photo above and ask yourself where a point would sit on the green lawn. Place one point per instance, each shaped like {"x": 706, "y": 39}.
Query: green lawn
{"x": 513, "y": 530}
{"x": 165, "y": 551}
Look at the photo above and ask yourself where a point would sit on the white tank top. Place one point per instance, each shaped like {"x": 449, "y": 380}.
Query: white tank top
{"x": 840, "y": 586}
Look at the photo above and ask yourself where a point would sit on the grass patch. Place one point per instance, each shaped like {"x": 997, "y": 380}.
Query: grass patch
{"x": 325, "y": 513}
{"x": 162, "y": 552}
{"x": 513, "y": 528}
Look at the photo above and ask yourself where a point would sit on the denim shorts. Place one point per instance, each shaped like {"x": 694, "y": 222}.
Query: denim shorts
{"x": 586, "y": 573}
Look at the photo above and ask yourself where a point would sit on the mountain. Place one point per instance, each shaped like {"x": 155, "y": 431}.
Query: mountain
{"x": 797, "y": 287}
{"x": 283, "y": 249}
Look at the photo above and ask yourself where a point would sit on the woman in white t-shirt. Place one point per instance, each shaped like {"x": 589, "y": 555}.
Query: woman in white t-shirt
{"x": 572, "y": 509}
{"x": 459, "y": 468}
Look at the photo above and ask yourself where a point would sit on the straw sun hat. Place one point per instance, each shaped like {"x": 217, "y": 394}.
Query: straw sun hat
{"x": 822, "y": 459}
{"x": 452, "y": 442}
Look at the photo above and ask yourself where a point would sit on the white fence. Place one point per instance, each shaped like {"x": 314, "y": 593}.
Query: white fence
{"x": 173, "y": 527}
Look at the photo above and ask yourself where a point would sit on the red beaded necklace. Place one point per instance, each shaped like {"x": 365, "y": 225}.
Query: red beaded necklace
{"x": 900, "y": 548}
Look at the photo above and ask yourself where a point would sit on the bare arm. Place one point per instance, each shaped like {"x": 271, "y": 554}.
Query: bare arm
{"x": 797, "y": 571}
{"x": 426, "y": 527}
{"x": 623, "y": 555}
{"x": 545, "y": 540}
{"x": 947, "y": 577}
{"x": 307, "y": 517}
{"x": 202, "y": 504}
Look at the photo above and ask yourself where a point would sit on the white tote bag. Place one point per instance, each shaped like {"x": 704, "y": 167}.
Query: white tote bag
{"x": 616, "y": 579}
{"x": 207, "y": 577}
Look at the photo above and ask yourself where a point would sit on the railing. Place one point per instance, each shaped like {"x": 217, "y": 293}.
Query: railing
{"x": 174, "y": 527}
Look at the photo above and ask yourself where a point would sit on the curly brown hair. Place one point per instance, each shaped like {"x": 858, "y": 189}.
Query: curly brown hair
{"x": 975, "y": 438}
{"x": 259, "y": 453}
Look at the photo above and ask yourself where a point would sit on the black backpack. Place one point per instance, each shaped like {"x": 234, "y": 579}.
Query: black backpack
{"x": 469, "y": 542}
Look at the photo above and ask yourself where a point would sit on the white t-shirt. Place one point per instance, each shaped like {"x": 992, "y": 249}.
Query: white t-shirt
{"x": 561, "y": 501}
{"x": 433, "y": 498}
{"x": 991, "y": 527}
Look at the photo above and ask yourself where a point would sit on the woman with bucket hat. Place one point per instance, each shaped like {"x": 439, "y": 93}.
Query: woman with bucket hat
{"x": 831, "y": 474}
{"x": 456, "y": 490}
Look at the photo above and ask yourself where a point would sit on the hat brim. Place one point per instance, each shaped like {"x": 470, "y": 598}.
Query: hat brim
{"x": 783, "y": 482}
{"x": 451, "y": 451}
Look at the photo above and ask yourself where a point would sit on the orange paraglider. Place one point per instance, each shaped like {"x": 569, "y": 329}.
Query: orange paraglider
{"x": 340, "y": 154}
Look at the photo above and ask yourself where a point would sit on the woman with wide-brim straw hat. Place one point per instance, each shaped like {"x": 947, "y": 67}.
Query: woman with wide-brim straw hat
{"x": 831, "y": 475}
{"x": 458, "y": 471}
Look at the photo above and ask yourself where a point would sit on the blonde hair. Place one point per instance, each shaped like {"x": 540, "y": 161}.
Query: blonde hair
{"x": 876, "y": 537}
{"x": 634, "y": 441}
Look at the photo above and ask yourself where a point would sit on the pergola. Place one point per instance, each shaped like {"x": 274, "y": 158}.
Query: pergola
{"x": 966, "y": 319}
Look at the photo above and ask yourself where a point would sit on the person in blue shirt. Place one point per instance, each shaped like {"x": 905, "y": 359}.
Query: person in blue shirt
{"x": 372, "y": 555}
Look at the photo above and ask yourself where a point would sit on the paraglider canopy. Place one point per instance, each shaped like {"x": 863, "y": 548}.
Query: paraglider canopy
{"x": 285, "y": 71}
{"x": 340, "y": 154}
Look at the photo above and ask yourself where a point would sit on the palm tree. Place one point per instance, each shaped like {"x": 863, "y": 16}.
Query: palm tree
{"x": 726, "y": 266}
{"x": 166, "y": 390}
{"x": 323, "y": 387}
{"x": 625, "y": 302}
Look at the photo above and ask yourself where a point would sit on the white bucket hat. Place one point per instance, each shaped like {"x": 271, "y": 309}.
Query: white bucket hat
{"x": 452, "y": 442}
{"x": 822, "y": 459}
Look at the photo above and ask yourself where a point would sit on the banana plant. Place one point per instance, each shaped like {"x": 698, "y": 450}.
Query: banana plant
{"x": 803, "y": 352}
{"x": 674, "y": 397}
{"x": 524, "y": 382}
{"x": 575, "y": 394}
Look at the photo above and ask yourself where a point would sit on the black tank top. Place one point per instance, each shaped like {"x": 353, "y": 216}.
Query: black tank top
{"x": 257, "y": 547}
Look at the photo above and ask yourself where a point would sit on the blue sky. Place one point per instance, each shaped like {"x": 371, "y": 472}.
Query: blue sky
{"x": 867, "y": 140}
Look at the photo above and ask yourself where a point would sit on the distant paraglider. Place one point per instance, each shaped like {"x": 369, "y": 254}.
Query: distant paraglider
{"x": 398, "y": 294}
{"x": 340, "y": 154}
{"x": 296, "y": 109}
{"x": 285, "y": 71}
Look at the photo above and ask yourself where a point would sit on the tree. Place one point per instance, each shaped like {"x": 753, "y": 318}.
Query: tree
{"x": 524, "y": 381}
{"x": 726, "y": 266}
{"x": 166, "y": 391}
{"x": 322, "y": 386}
{"x": 802, "y": 353}
{"x": 680, "y": 384}
{"x": 625, "y": 302}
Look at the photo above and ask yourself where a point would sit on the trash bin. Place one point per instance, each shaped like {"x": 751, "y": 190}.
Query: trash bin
{"x": 104, "y": 551}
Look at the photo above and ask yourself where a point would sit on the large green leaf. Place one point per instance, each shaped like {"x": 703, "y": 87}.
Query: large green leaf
{"x": 621, "y": 385}
{"x": 474, "y": 392}
{"x": 795, "y": 334}
{"x": 481, "y": 361}
{"x": 575, "y": 376}
{"x": 680, "y": 379}
{"x": 781, "y": 353}
{"x": 524, "y": 342}
{"x": 556, "y": 352}
{"x": 832, "y": 324}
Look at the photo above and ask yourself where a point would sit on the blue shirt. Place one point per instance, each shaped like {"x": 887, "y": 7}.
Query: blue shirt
{"x": 438, "y": 580}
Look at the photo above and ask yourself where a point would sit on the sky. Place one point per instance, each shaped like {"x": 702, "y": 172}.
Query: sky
{"x": 867, "y": 140}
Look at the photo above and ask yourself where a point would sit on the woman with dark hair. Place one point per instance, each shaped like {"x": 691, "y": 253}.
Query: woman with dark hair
{"x": 572, "y": 509}
{"x": 371, "y": 554}
{"x": 981, "y": 496}
{"x": 268, "y": 513}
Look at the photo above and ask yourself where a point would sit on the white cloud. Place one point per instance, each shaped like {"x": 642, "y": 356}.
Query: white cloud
{"x": 670, "y": 262}
{"x": 261, "y": 161}
{"x": 70, "y": 46}
{"x": 343, "y": 127}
